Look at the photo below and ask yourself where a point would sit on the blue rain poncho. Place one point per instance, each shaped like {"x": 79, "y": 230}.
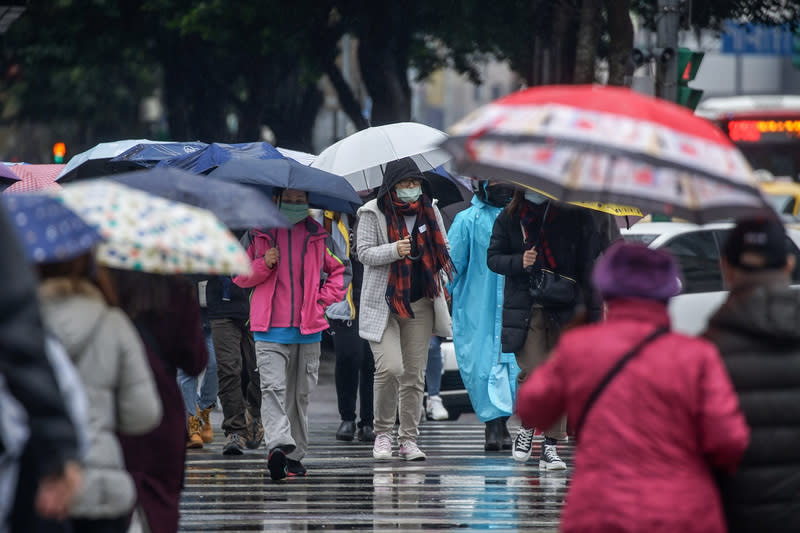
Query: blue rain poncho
{"x": 488, "y": 374}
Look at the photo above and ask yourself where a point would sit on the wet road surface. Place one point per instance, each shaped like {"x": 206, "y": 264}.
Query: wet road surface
{"x": 459, "y": 486}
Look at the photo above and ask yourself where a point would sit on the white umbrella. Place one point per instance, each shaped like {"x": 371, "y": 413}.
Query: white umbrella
{"x": 304, "y": 158}
{"x": 361, "y": 157}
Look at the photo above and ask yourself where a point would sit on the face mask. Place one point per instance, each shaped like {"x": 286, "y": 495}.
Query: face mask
{"x": 409, "y": 195}
{"x": 294, "y": 212}
{"x": 499, "y": 195}
{"x": 535, "y": 197}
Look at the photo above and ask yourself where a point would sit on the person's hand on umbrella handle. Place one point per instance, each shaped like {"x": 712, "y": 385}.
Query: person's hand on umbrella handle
{"x": 271, "y": 257}
{"x": 529, "y": 257}
{"x": 404, "y": 247}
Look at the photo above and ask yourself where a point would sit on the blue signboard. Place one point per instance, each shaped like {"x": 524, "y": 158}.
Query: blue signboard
{"x": 746, "y": 38}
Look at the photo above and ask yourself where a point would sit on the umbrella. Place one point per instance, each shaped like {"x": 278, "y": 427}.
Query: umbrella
{"x": 93, "y": 162}
{"x": 35, "y": 178}
{"x": 611, "y": 145}
{"x": 147, "y": 233}
{"x": 445, "y": 188}
{"x": 48, "y": 230}
{"x": 361, "y": 157}
{"x": 301, "y": 157}
{"x": 6, "y": 176}
{"x": 206, "y": 159}
{"x": 237, "y": 206}
{"x": 325, "y": 190}
{"x": 149, "y": 154}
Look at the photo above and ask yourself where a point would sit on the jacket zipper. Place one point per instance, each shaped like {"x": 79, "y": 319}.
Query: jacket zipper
{"x": 291, "y": 276}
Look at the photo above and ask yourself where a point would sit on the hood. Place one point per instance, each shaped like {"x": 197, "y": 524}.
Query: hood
{"x": 399, "y": 170}
{"x": 71, "y": 312}
{"x": 771, "y": 311}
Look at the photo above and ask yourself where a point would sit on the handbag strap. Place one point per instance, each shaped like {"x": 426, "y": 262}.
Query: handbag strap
{"x": 614, "y": 371}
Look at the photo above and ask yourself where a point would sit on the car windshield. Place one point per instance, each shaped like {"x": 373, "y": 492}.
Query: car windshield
{"x": 782, "y": 203}
{"x": 641, "y": 238}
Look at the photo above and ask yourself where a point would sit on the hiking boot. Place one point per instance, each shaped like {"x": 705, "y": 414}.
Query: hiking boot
{"x": 549, "y": 459}
{"x": 435, "y": 409}
{"x": 523, "y": 445}
{"x": 410, "y": 452}
{"x": 206, "y": 431}
{"x": 255, "y": 431}
{"x": 234, "y": 445}
{"x": 195, "y": 440}
{"x": 295, "y": 468}
{"x": 366, "y": 433}
{"x": 383, "y": 446}
{"x": 346, "y": 431}
{"x": 277, "y": 463}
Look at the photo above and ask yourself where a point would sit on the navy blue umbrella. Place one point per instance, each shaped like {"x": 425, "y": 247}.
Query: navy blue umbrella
{"x": 237, "y": 206}
{"x": 325, "y": 190}
{"x": 214, "y": 155}
{"x": 48, "y": 230}
{"x": 149, "y": 155}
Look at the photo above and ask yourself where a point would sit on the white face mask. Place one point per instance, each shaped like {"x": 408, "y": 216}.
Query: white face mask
{"x": 535, "y": 197}
{"x": 408, "y": 195}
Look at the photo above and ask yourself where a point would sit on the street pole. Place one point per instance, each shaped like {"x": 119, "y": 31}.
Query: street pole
{"x": 668, "y": 21}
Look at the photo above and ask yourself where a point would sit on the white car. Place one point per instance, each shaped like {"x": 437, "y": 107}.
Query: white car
{"x": 697, "y": 249}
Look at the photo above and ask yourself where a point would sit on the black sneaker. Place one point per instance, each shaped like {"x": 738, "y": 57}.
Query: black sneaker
{"x": 276, "y": 463}
{"x": 295, "y": 468}
{"x": 234, "y": 445}
{"x": 549, "y": 459}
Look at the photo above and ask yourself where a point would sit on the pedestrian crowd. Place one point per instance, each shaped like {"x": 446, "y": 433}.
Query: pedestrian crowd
{"x": 108, "y": 376}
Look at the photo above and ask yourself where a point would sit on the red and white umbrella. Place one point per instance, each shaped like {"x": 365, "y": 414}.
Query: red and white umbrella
{"x": 608, "y": 144}
{"x": 35, "y": 178}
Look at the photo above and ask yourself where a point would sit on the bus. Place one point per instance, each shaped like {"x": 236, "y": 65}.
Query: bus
{"x": 765, "y": 128}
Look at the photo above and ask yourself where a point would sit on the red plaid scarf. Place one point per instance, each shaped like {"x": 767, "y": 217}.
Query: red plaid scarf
{"x": 532, "y": 219}
{"x": 429, "y": 243}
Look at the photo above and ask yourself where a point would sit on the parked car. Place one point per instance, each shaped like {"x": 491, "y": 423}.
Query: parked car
{"x": 697, "y": 249}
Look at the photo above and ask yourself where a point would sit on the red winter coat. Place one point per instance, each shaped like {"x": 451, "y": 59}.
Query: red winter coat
{"x": 647, "y": 448}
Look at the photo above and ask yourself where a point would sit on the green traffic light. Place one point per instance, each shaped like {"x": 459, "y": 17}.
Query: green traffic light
{"x": 688, "y": 65}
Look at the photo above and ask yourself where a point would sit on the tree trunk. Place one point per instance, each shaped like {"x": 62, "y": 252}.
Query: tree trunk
{"x": 347, "y": 99}
{"x": 384, "y": 62}
{"x": 620, "y": 30}
{"x": 588, "y": 33}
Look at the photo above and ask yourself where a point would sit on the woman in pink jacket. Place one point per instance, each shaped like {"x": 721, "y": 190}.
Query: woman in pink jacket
{"x": 649, "y": 443}
{"x": 295, "y": 277}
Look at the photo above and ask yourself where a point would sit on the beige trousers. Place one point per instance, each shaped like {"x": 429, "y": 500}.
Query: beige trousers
{"x": 400, "y": 360}
{"x": 541, "y": 339}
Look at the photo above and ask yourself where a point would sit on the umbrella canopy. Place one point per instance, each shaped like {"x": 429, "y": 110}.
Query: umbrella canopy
{"x": 446, "y": 189}
{"x": 237, "y": 206}
{"x": 147, "y": 233}
{"x": 362, "y": 156}
{"x": 149, "y": 154}
{"x": 93, "y": 162}
{"x": 325, "y": 190}
{"x": 6, "y": 175}
{"x": 214, "y": 155}
{"x": 48, "y": 230}
{"x": 35, "y": 178}
{"x": 611, "y": 145}
{"x": 301, "y": 157}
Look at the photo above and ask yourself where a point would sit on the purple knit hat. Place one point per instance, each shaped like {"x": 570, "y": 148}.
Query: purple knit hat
{"x": 628, "y": 270}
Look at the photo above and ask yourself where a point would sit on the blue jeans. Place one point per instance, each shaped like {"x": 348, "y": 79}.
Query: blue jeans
{"x": 433, "y": 372}
{"x": 208, "y": 389}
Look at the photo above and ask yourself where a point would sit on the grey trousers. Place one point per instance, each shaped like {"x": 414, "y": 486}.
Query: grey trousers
{"x": 541, "y": 339}
{"x": 400, "y": 360}
{"x": 289, "y": 372}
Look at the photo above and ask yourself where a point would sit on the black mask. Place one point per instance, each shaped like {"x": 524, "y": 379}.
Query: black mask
{"x": 499, "y": 195}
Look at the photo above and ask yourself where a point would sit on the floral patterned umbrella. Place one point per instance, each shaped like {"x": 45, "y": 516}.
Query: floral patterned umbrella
{"x": 151, "y": 234}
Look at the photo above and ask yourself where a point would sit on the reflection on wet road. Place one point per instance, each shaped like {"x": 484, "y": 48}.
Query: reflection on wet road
{"x": 459, "y": 487}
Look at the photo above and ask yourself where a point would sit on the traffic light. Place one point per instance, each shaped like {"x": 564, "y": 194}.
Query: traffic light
{"x": 59, "y": 151}
{"x": 688, "y": 64}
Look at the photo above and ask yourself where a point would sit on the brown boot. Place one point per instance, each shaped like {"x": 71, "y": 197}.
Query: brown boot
{"x": 195, "y": 440}
{"x": 206, "y": 432}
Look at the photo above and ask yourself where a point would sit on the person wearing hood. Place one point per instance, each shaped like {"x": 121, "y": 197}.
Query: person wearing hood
{"x": 756, "y": 331}
{"x": 77, "y": 305}
{"x": 402, "y": 244}
{"x": 654, "y": 411}
{"x": 488, "y": 373}
{"x": 295, "y": 277}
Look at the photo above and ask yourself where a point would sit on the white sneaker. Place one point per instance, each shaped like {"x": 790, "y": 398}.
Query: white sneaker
{"x": 410, "y": 451}
{"x": 437, "y": 411}
{"x": 523, "y": 445}
{"x": 382, "y": 449}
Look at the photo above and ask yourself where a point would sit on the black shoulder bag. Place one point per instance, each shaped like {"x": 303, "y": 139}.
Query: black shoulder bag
{"x": 614, "y": 371}
{"x": 548, "y": 288}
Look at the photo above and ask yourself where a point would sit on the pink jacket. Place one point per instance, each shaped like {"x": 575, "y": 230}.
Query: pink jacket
{"x": 287, "y": 296}
{"x": 645, "y": 456}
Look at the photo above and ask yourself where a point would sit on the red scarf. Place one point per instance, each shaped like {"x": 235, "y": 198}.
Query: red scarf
{"x": 532, "y": 219}
{"x": 426, "y": 240}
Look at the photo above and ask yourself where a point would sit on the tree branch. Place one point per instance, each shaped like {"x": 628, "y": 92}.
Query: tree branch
{"x": 347, "y": 99}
